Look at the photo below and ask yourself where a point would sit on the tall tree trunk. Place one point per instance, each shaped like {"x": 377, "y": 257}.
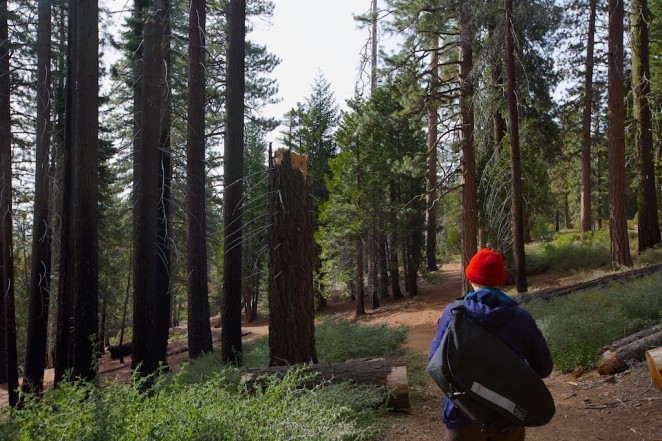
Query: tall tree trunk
{"x": 38, "y": 308}
{"x": 515, "y": 167}
{"x": 431, "y": 194}
{"x": 145, "y": 359}
{"x": 394, "y": 268}
{"x": 64, "y": 342}
{"x": 199, "y": 329}
{"x": 467, "y": 154}
{"x": 291, "y": 300}
{"x": 163, "y": 222}
{"x": 648, "y": 223}
{"x": 6, "y": 214}
{"x": 86, "y": 192}
{"x": 587, "y": 221}
{"x": 234, "y": 164}
{"x": 618, "y": 231}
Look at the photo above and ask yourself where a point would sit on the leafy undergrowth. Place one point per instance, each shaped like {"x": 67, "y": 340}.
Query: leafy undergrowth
{"x": 205, "y": 401}
{"x": 578, "y": 326}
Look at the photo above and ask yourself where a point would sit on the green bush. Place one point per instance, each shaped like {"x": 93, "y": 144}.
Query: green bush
{"x": 337, "y": 341}
{"x": 578, "y": 326}
{"x": 569, "y": 252}
{"x": 208, "y": 410}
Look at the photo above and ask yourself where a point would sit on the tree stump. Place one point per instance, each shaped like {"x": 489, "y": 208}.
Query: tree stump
{"x": 291, "y": 251}
{"x": 372, "y": 371}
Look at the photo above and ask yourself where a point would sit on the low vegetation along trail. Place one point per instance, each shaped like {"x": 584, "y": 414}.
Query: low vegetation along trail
{"x": 589, "y": 407}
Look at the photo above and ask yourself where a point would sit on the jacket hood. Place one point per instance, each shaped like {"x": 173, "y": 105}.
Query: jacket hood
{"x": 489, "y": 307}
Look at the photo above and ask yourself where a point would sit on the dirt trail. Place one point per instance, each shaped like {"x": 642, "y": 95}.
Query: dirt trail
{"x": 590, "y": 407}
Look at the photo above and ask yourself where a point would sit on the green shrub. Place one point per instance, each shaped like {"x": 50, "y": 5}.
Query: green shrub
{"x": 209, "y": 410}
{"x": 578, "y": 326}
{"x": 338, "y": 341}
{"x": 569, "y": 252}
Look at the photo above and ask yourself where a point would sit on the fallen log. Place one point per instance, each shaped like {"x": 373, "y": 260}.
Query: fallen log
{"x": 631, "y": 338}
{"x": 373, "y": 371}
{"x": 617, "y": 360}
{"x": 654, "y": 358}
{"x": 549, "y": 293}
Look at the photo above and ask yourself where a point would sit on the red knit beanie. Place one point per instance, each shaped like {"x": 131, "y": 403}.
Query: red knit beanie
{"x": 486, "y": 268}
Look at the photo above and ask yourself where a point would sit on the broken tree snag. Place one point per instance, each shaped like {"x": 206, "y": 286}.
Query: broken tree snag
{"x": 373, "y": 371}
{"x": 654, "y": 358}
{"x": 617, "y": 360}
{"x": 550, "y": 293}
{"x": 291, "y": 250}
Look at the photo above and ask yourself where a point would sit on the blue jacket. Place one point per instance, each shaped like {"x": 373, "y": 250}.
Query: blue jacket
{"x": 514, "y": 325}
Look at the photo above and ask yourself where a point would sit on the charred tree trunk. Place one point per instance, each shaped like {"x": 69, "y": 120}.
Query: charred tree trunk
{"x": 233, "y": 191}
{"x": 63, "y": 344}
{"x": 291, "y": 296}
{"x": 39, "y": 298}
{"x": 145, "y": 359}
{"x": 199, "y": 330}
{"x": 6, "y": 215}
{"x": 163, "y": 230}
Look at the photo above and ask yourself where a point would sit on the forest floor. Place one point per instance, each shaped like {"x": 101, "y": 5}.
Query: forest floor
{"x": 621, "y": 407}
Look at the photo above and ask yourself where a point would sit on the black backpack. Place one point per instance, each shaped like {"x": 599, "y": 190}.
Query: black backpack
{"x": 486, "y": 380}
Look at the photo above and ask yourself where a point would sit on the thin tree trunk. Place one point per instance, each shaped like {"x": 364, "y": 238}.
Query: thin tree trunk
{"x": 620, "y": 245}
{"x": 231, "y": 346}
{"x": 163, "y": 225}
{"x": 38, "y": 308}
{"x": 587, "y": 221}
{"x": 199, "y": 330}
{"x": 468, "y": 154}
{"x": 515, "y": 167}
{"x": 64, "y": 342}
{"x": 648, "y": 224}
{"x": 431, "y": 194}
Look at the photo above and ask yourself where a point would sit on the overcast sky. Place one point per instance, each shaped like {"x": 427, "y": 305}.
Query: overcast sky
{"x": 310, "y": 37}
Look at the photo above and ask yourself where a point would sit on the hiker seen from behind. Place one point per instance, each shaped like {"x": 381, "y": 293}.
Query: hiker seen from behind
{"x": 496, "y": 312}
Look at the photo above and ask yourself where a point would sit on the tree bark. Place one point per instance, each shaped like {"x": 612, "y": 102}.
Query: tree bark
{"x": 618, "y": 230}
{"x": 291, "y": 294}
{"x": 431, "y": 194}
{"x": 6, "y": 213}
{"x": 648, "y": 224}
{"x": 515, "y": 166}
{"x": 586, "y": 219}
{"x": 617, "y": 360}
{"x": 467, "y": 153}
{"x": 233, "y": 191}
{"x": 199, "y": 330}
{"x": 163, "y": 225}
{"x": 64, "y": 342}
{"x": 145, "y": 359}
{"x": 38, "y": 308}
{"x": 376, "y": 371}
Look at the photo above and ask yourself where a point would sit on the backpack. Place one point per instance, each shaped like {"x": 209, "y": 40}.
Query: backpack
{"x": 486, "y": 380}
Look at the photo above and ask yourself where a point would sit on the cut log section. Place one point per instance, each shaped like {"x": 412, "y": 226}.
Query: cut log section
{"x": 617, "y": 359}
{"x": 654, "y": 358}
{"x": 373, "y": 371}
